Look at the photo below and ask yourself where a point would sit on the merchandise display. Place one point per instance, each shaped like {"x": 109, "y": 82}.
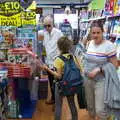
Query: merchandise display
{"x": 18, "y": 74}
{"x": 110, "y": 18}
{"x": 18, "y": 43}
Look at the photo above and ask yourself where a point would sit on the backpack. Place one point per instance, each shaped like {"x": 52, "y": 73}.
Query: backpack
{"x": 72, "y": 79}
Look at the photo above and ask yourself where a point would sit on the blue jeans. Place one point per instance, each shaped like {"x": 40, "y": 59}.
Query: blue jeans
{"x": 58, "y": 105}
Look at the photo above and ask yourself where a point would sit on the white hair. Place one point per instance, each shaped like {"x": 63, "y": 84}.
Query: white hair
{"x": 48, "y": 19}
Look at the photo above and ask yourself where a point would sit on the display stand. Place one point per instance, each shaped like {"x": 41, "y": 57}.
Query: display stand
{"x": 19, "y": 104}
{"x": 3, "y": 93}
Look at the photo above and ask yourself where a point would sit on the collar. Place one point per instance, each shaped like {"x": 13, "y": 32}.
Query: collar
{"x": 52, "y": 32}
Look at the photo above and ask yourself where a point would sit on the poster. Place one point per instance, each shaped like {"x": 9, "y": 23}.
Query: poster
{"x": 25, "y": 38}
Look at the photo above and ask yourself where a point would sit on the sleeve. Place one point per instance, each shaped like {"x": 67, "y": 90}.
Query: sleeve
{"x": 111, "y": 50}
{"x": 58, "y": 63}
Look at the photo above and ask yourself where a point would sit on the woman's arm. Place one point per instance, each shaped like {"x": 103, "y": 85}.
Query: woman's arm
{"x": 114, "y": 61}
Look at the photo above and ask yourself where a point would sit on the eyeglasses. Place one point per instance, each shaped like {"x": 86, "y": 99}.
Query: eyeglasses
{"x": 47, "y": 26}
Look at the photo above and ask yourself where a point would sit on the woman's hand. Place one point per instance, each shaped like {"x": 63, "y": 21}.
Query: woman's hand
{"x": 93, "y": 73}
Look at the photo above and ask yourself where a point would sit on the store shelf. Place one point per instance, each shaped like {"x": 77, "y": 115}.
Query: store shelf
{"x": 99, "y": 18}
{"x": 115, "y": 35}
{"x": 92, "y": 19}
{"x": 115, "y": 16}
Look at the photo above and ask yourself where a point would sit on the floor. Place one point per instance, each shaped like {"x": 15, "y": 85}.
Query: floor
{"x": 44, "y": 112}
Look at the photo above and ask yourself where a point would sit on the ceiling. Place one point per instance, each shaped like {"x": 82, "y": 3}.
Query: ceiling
{"x": 59, "y": 1}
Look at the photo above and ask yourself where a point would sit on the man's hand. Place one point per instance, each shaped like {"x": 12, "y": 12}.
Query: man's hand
{"x": 45, "y": 67}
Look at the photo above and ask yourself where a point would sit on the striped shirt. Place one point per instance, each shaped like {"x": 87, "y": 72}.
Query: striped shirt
{"x": 98, "y": 55}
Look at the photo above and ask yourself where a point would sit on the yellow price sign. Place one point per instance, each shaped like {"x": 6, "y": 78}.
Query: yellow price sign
{"x": 12, "y": 14}
{"x": 10, "y": 8}
{"x": 28, "y": 15}
{"x": 28, "y": 18}
{"x": 14, "y": 20}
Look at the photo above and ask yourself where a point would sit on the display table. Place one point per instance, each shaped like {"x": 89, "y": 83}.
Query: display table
{"x": 19, "y": 69}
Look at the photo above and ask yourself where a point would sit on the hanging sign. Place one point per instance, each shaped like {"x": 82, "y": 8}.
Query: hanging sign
{"x": 10, "y": 21}
{"x": 10, "y": 8}
{"x": 28, "y": 18}
{"x": 10, "y": 13}
{"x": 26, "y": 3}
{"x": 97, "y": 5}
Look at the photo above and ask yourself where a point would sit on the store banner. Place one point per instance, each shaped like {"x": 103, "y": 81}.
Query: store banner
{"x": 97, "y": 5}
{"x": 10, "y": 13}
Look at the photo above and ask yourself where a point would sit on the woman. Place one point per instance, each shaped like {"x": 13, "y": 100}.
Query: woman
{"x": 64, "y": 45}
{"x": 99, "y": 52}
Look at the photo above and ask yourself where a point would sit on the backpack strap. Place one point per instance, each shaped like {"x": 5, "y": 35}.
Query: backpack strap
{"x": 64, "y": 58}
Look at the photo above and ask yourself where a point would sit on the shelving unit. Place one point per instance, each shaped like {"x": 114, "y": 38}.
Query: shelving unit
{"x": 99, "y": 18}
{"x": 111, "y": 23}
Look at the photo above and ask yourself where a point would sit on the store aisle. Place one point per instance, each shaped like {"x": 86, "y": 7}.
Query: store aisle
{"x": 44, "y": 112}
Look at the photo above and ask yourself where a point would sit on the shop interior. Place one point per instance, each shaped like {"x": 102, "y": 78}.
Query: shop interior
{"x": 24, "y": 88}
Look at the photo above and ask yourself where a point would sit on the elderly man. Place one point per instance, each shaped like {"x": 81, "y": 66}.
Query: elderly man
{"x": 51, "y": 36}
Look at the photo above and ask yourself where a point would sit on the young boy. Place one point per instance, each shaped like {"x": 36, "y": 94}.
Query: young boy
{"x": 64, "y": 45}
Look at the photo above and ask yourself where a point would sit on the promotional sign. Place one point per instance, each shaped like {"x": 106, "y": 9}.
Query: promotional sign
{"x": 97, "y": 5}
{"x": 14, "y": 20}
{"x": 28, "y": 18}
{"x": 12, "y": 14}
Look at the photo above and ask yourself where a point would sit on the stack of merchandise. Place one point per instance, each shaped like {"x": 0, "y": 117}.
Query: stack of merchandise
{"x": 19, "y": 73}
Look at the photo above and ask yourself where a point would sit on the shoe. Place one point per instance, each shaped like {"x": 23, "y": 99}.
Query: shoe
{"x": 50, "y": 102}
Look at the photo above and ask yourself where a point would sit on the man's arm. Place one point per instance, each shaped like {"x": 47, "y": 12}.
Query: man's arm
{"x": 40, "y": 35}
